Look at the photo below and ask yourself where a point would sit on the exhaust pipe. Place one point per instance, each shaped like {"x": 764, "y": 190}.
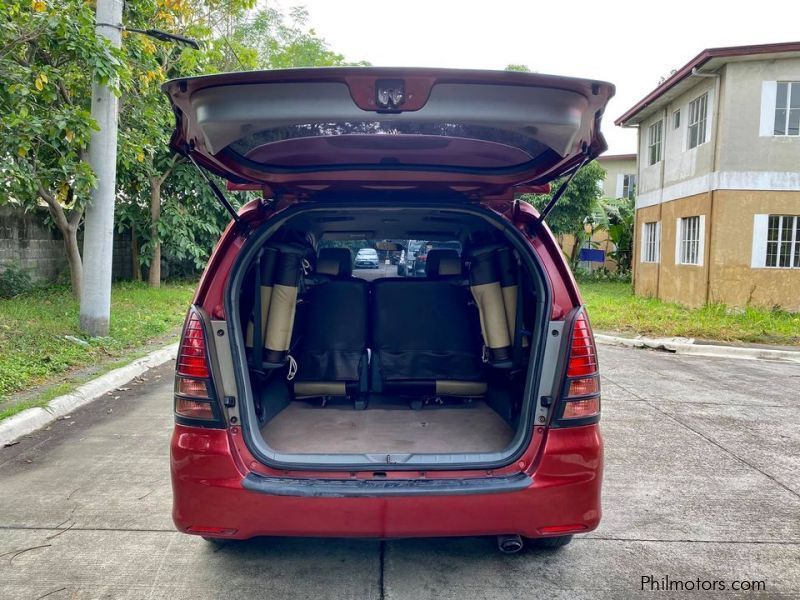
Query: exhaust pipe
{"x": 509, "y": 544}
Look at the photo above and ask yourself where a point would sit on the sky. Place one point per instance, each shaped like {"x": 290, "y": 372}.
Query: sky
{"x": 630, "y": 44}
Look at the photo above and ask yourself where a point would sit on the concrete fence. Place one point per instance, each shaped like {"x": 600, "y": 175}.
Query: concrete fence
{"x": 26, "y": 241}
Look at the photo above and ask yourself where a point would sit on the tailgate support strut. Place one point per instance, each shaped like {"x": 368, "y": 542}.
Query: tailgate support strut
{"x": 215, "y": 188}
{"x": 557, "y": 196}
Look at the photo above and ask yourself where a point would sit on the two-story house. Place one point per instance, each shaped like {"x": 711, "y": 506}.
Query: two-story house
{"x": 718, "y": 187}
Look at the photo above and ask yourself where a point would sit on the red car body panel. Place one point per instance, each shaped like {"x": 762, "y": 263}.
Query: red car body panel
{"x": 208, "y": 497}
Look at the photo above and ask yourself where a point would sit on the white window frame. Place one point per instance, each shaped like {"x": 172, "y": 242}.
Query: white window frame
{"x": 651, "y": 242}
{"x": 655, "y": 141}
{"x": 628, "y": 185}
{"x": 792, "y": 90}
{"x": 770, "y": 249}
{"x": 769, "y": 107}
{"x": 690, "y": 240}
{"x": 676, "y": 119}
{"x": 697, "y": 121}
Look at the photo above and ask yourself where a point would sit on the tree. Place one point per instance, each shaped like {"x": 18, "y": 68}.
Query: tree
{"x": 49, "y": 56}
{"x": 619, "y": 217}
{"x": 577, "y": 206}
{"x": 518, "y": 68}
{"x": 163, "y": 200}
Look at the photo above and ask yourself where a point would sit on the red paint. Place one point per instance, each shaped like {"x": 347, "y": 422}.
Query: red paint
{"x": 564, "y": 497}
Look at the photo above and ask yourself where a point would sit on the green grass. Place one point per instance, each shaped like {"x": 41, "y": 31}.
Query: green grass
{"x": 34, "y": 351}
{"x": 614, "y": 308}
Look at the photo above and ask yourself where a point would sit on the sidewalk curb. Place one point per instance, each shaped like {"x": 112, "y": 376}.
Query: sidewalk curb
{"x": 676, "y": 347}
{"x": 31, "y": 419}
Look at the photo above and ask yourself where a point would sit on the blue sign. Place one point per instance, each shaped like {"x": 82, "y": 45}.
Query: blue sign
{"x": 592, "y": 255}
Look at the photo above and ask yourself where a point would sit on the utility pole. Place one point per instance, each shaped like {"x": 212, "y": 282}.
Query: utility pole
{"x": 98, "y": 236}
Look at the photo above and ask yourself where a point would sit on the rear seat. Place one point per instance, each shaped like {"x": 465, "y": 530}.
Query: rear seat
{"x": 332, "y": 347}
{"x": 425, "y": 334}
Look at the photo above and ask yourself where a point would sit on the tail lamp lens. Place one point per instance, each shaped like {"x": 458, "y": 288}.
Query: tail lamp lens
{"x": 194, "y": 397}
{"x": 581, "y": 396}
{"x": 192, "y": 359}
{"x": 194, "y": 409}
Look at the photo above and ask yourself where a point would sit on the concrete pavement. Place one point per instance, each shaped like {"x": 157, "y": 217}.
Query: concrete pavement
{"x": 702, "y": 481}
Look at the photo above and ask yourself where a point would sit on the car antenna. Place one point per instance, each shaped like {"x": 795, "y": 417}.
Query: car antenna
{"x": 215, "y": 188}
{"x": 559, "y": 192}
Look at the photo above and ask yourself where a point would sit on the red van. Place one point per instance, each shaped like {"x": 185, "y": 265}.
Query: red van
{"x": 312, "y": 400}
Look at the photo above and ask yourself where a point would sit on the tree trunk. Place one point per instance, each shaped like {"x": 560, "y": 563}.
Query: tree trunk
{"x": 155, "y": 215}
{"x": 136, "y": 265}
{"x": 68, "y": 226}
{"x": 73, "y": 259}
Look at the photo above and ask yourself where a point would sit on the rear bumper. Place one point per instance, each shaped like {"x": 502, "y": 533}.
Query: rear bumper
{"x": 213, "y": 496}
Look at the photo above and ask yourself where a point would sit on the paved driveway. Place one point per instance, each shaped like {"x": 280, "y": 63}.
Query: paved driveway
{"x": 702, "y": 482}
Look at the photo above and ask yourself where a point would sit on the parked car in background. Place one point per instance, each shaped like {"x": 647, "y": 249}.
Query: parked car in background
{"x": 405, "y": 267}
{"x": 367, "y": 258}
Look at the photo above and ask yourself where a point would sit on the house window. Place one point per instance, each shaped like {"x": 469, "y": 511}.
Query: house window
{"x": 676, "y": 119}
{"x": 689, "y": 241}
{"x": 628, "y": 186}
{"x": 654, "y": 142}
{"x": 787, "y": 108}
{"x": 650, "y": 242}
{"x": 697, "y": 121}
{"x": 783, "y": 241}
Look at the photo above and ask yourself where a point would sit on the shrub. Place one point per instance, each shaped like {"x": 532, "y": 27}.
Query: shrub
{"x": 14, "y": 280}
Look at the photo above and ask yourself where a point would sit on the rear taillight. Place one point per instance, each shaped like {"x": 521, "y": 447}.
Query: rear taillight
{"x": 580, "y": 395}
{"x": 195, "y": 402}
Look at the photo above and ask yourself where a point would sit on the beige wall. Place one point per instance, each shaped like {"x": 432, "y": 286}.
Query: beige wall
{"x": 645, "y": 275}
{"x": 615, "y": 167}
{"x": 600, "y": 241}
{"x": 726, "y": 275}
{"x": 733, "y": 281}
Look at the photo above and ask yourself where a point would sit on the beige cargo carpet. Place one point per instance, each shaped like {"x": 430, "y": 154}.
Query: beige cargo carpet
{"x": 305, "y": 429}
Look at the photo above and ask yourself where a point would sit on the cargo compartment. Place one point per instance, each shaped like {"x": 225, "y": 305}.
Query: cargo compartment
{"x": 358, "y": 367}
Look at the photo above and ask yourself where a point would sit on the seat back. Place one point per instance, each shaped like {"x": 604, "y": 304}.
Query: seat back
{"x": 442, "y": 262}
{"x": 331, "y": 348}
{"x": 423, "y": 332}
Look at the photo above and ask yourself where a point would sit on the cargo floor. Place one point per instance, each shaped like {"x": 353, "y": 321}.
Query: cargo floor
{"x": 306, "y": 429}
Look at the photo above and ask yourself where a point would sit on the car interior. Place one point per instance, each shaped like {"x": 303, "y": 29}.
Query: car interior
{"x": 339, "y": 364}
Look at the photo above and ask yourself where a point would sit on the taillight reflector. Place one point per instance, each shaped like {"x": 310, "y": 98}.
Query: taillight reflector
{"x": 579, "y": 409}
{"x": 583, "y": 386}
{"x": 194, "y": 409}
{"x": 192, "y": 359}
{"x": 191, "y": 387}
{"x": 582, "y": 356}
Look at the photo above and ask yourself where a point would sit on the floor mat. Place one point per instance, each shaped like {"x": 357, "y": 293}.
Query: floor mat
{"x": 305, "y": 429}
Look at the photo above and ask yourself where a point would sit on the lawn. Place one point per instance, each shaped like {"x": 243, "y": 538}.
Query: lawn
{"x": 614, "y": 308}
{"x": 33, "y": 326}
